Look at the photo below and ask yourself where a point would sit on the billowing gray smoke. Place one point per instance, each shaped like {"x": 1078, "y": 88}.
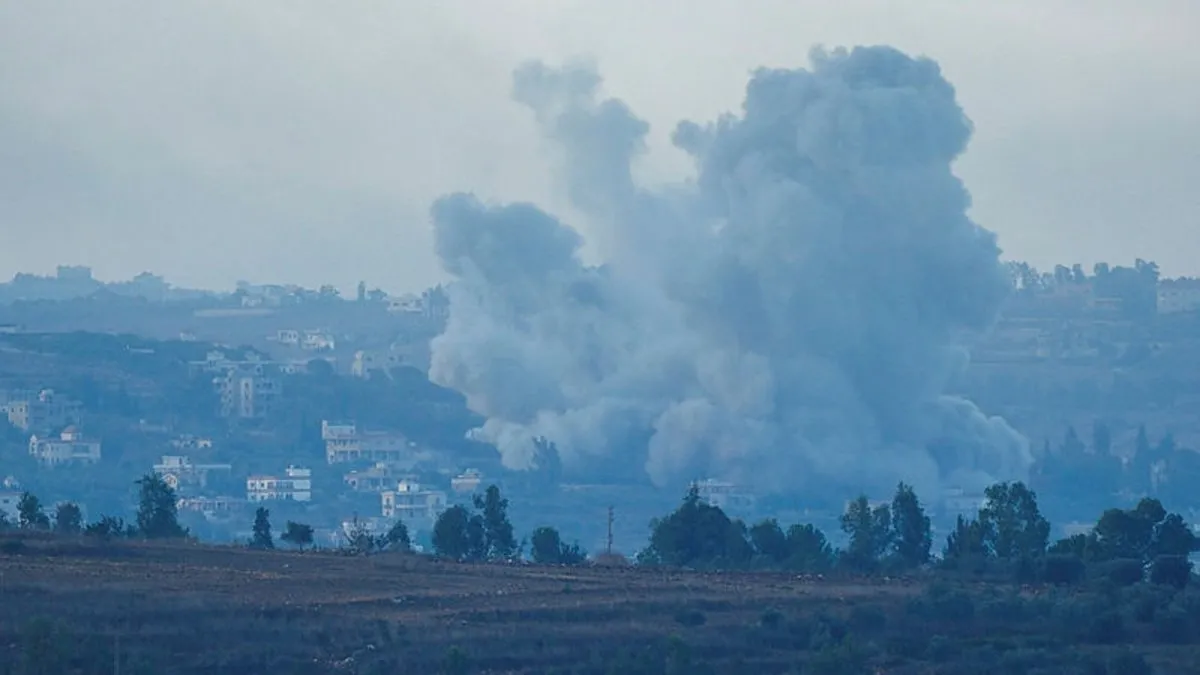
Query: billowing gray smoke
{"x": 789, "y": 318}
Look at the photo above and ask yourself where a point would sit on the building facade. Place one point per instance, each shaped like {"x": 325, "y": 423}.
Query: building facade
{"x": 344, "y": 442}
{"x": 295, "y": 485}
{"x": 9, "y": 499}
{"x": 411, "y": 503}
{"x": 248, "y": 391}
{"x": 184, "y": 475}
{"x": 43, "y": 412}
{"x": 70, "y": 447}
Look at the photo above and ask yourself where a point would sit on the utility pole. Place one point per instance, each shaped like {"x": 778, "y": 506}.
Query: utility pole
{"x": 610, "y": 524}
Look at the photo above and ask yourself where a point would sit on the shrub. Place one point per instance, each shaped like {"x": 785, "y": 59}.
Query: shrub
{"x": 690, "y": 618}
{"x": 1123, "y": 572}
{"x": 1106, "y": 628}
{"x": 1063, "y": 569}
{"x": 12, "y": 547}
{"x": 1129, "y": 663}
{"x": 1172, "y": 626}
{"x": 867, "y": 620}
{"x": 771, "y": 618}
{"x": 942, "y": 649}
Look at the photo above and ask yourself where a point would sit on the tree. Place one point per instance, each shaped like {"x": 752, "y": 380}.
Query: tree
{"x": 397, "y": 538}
{"x": 1082, "y": 546}
{"x": 913, "y": 535}
{"x": 262, "y": 538}
{"x": 501, "y": 544}
{"x": 870, "y": 532}
{"x": 548, "y": 548}
{"x": 1072, "y": 447}
{"x": 1013, "y": 525}
{"x": 157, "y": 515}
{"x": 68, "y": 519}
{"x": 769, "y": 542}
{"x": 1171, "y": 570}
{"x": 967, "y": 541}
{"x": 808, "y": 549}
{"x": 29, "y": 513}
{"x": 108, "y": 527}
{"x": 297, "y": 534}
{"x": 1143, "y": 533}
{"x": 458, "y": 535}
{"x": 698, "y": 534}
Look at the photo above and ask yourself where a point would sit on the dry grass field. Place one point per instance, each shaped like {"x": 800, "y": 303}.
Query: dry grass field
{"x": 87, "y": 606}
{"x": 225, "y": 610}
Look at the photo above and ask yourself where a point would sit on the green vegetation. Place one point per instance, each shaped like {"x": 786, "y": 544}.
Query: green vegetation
{"x": 486, "y": 534}
{"x": 262, "y": 538}
{"x": 1001, "y": 598}
{"x": 548, "y": 548}
{"x": 297, "y": 534}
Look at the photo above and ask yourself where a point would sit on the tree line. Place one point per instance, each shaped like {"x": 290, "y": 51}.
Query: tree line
{"x": 1007, "y": 534}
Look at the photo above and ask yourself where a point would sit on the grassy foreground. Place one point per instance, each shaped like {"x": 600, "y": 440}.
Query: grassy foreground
{"x": 84, "y": 606}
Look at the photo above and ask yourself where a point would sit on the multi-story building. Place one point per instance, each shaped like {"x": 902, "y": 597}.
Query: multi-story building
{"x": 184, "y": 475}
{"x": 9, "y": 499}
{"x": 209, "y": 506}
{"x": 247, "y": 391}
{"x": 344, "y": 442}
{"x": 466, "y": 482}
{"x": 1178, "y": 295}
{"x": 377, "y": 478}
{"x": 189, "y": 442}
{"x": 69, "y": 448}
{"x": 295, "y": 485}
{"x": 43, "y": 412}
{"x": 411, "y": 503}
{"x": 727, "y": 496}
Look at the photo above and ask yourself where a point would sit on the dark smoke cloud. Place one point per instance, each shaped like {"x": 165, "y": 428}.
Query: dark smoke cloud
{"x": 789, "y": 318}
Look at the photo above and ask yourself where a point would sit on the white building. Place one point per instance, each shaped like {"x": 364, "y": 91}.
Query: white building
{"x": 379, "y": 477}
{"x": 317, "y": 341}
{"x": 466, "y": 482}
{"x": 69, "y": 448}
{"x": 209, "y": 506}
{"x": 405, "y": 304}
{"x": 295, "y": 485}
{"x": 8, "y": 505}
{"x": 724, "y": 495}
{"x": 181, "y": 473}
{"x": 1178, "y": 295}
{"x": 367, "y": 361}
{"x": 409, "y": 502}
{"x": 188, "y": 442}
{"x": 344, "y": 442}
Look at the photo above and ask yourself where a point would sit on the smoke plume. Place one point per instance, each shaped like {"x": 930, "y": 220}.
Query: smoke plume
{"x": 788, "y": 318}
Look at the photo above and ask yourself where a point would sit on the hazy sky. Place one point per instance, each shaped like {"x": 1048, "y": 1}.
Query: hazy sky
{"x": 303, "y": 141}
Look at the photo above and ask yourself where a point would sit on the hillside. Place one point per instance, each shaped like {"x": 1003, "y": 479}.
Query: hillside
{"x": 181, "y": 608}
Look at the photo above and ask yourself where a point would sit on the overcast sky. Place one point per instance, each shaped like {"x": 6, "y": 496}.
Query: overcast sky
{"x": 303, "y": 141}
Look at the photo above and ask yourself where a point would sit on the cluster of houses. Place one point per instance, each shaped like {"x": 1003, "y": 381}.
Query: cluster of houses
{"x": 381, "y": 464}
{"x": 52, "y": 422}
